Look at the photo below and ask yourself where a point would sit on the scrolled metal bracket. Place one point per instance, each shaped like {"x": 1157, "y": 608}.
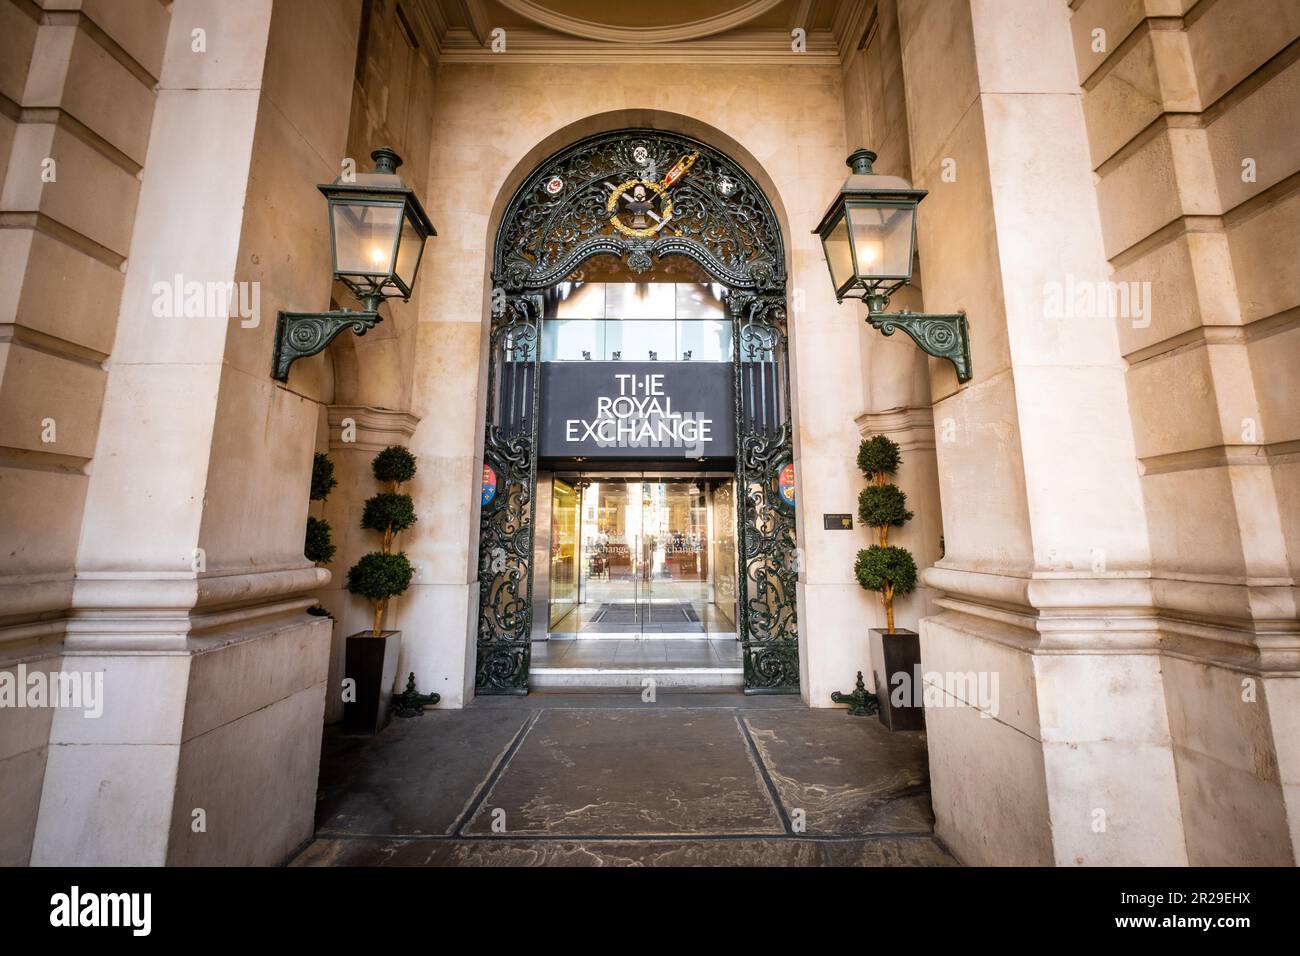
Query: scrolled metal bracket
{"x": 300, "y": 334}
{"x": 862, "y": 703}
{"x": 410, "y": 702}
{"x": 943, "y": 336}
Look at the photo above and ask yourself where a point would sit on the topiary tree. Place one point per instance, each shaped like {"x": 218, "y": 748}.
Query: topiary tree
{"x": 318, "y": 546}
{"x": 393, "y": 466}
{"x": 381, "y": 575}
{"x": 388, "y": 513}
{"x": 378, "y": 577}
{"x": 884, "y": 568}
{"x": 322, "y": 477}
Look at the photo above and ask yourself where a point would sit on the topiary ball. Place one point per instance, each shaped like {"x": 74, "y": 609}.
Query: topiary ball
{"x": 876, "y": 567}
{"x": 322, "y": 477}
{"x": 318, "y": 546}
{"x": 880, "y": 505}
{"x": 377, "y": 575}
{"x": 388, "y": 510}
{"x": 878, "y": 455}
{"x": 394, "y": 463}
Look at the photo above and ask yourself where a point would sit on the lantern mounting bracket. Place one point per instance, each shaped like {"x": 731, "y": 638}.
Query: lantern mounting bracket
{"x": 945, "y": 336}
{"x": 869, "y": 237}
{"x": 377, "y": 234}
{"x": 300, "y": 334}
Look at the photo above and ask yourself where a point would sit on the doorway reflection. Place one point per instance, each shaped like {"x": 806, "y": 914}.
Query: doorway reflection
{"x": 633, "y": 558}
{"x": 642, "y": 584}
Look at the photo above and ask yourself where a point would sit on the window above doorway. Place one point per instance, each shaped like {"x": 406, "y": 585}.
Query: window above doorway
{"x": 636, "y": 321}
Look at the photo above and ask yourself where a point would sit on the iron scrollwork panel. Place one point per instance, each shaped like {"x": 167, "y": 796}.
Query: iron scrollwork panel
{"x": 712, "y": 213}
{"x": 505, "y": 569}
{"x": 765, "y": 517}
{"x": 641, "y": 196}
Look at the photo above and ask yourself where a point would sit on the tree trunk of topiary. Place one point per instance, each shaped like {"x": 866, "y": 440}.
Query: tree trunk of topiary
{"x": 888, "y": 596}
{"x": 382, "y": 604}
{"x": 883, "y": 529}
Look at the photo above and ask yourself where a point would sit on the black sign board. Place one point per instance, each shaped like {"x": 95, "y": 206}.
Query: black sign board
{"x": 837, "y": 522}
{"x": 637, "y": 410}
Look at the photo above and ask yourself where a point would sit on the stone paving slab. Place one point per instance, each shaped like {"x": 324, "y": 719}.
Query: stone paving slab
{"x": 849, "y": 775}
{"x": 418, "y": 776}
{"x": 653, "y": 771}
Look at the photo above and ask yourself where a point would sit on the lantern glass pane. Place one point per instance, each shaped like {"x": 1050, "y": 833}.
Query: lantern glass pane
{"x": 365, "y": 237}
{"x": 839, "y": 254}
{"x": 408, "y": 252}
{"x": 882, "y": 240}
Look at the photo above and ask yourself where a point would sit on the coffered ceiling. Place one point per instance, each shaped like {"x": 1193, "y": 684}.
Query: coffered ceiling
{"x": 753, "y": 31}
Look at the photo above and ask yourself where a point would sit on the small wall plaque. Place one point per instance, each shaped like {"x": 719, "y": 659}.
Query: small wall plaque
{"x": 838, "y": 522}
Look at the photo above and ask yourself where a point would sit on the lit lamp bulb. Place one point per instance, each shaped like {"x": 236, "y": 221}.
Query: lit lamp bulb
{"x": 872, "y": 253}
{"x": 379, "y": 259}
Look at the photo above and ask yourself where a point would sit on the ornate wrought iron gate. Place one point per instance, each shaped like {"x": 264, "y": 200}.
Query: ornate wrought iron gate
{"x": 690, "y": 200}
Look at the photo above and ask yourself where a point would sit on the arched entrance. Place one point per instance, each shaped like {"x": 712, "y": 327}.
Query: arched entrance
{"x": 642, "y": 197}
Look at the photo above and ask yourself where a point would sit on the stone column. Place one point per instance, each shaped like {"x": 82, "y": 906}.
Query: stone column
{"x": 190, "y": 579}
{"x": 68, "y": 191}
{"x": 1046, "y": 577}
{"x": 1197, "y": 189}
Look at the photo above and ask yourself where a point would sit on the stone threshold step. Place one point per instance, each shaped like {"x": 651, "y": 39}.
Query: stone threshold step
{"x": 604, "y": 677}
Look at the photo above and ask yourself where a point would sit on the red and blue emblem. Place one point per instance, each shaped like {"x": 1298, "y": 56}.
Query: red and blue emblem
{"x": 785, "y": 484}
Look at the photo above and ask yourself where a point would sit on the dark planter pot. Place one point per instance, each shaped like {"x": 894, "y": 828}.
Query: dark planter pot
{"x": 896, "y": 662}
{"x": 371, "y": 662}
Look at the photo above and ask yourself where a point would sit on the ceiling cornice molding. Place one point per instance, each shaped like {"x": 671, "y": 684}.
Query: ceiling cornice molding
{"x": 429, "y": 23}
{"x": 638, "y": 36}
{"x": 753, "y": 47}
{"x": 848, "y": 23}
{"x": 476, "y": 16}
{"x": 800, "y": 14}
{"x": 435, "y": 18}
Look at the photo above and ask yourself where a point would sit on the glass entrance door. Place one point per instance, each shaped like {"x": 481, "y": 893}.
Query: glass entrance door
{"x": 653, "y": 558}
{"x": 612, "y": 566}
{"x": 675, "y": 567}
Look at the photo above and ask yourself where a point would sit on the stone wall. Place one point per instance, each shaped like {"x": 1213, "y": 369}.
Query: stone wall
{"x": 187, "y": 584}
{"x": 1198, "y": 187}
{"x": 1119, "y": 508}
{"x": 76, "y": 101}
{"x": 1044, "y": 529}
{"x": 368, "y": 380}
{"x": 896, "y": 399}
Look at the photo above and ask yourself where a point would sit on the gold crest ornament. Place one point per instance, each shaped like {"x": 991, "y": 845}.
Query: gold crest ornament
{"x": 638, "y": 215}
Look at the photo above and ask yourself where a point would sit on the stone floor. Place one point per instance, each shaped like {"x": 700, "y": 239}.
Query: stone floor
{"x": 570, "y": 779}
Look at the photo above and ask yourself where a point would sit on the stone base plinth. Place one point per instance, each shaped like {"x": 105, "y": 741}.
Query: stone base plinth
{"x": 205, "y": 754}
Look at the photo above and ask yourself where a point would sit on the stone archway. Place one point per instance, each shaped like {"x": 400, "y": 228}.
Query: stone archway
{"x": 561, "y": 216}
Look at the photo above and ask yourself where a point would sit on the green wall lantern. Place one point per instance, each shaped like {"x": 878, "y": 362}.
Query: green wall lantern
{"x": 377, "y": 233}
{"x": 869, "y": 237}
